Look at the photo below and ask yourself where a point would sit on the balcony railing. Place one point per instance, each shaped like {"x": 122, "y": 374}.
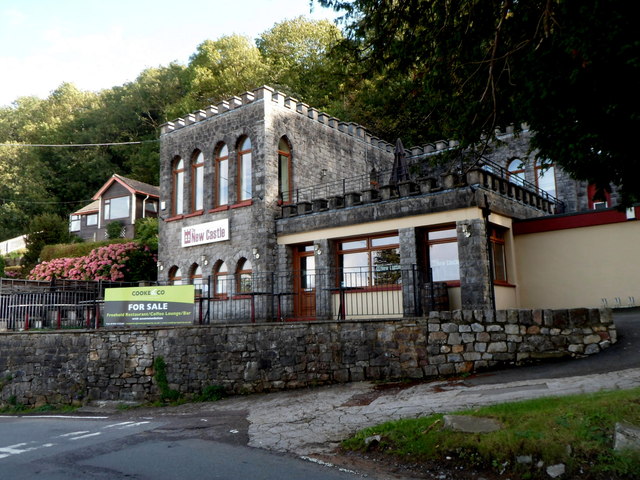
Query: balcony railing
{"x": 419, "y": 178}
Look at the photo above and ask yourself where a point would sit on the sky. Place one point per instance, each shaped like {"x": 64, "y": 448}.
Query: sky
{"x": 100, "y": 44}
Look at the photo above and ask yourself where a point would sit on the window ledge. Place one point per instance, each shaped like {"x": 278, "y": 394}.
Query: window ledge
{"x": 174, "y": 218}
{"x": 194, "y": 214}
{"x": 498, "y": 283}
{"x": 244, "y": 203}
{"x": 221, "y": 208}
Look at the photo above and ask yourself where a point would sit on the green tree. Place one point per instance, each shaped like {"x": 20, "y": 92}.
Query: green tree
{"x": 568, "y": 68}
{"x": 222, "y": 68}
{"x": 44, "y": 229}
{"x": 146, "y": 233}
{"x": 297, "y": 55}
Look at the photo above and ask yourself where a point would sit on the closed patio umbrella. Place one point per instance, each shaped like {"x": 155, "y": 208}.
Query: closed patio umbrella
{"x": 400, "y": 170}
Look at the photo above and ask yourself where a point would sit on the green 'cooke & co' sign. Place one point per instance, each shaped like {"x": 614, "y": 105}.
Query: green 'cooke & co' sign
{"x": 170, "y": 305}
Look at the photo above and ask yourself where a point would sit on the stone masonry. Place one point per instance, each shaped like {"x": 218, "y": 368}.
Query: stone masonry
{"x": 73, "y": 367}
{"x": 323, "y": 149}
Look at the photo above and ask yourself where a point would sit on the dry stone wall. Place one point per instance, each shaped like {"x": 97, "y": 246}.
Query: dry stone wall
{"x": 73, "y": 367}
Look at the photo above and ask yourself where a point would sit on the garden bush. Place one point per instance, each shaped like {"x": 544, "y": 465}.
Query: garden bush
{"x": 67, "y": 250}
{"x": 115, "y": 262}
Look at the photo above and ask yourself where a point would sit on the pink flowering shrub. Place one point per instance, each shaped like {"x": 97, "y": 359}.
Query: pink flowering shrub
{"x": 115, "y": 262}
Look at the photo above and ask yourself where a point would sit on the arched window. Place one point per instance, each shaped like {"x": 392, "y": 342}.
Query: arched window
{"x": 244, "y": 170}
{"x": 220, "y": 280}
{"x": 244, "y": 276}
{"x": 546, "y": 177}
{"x": 221, "y": 182}
{"x": 515, "y": 171}
{"x": 175, "y": 276}
{"x": 197, "y": 183}
{"x": 285, "y": 178}
{"x": 196, "y": 278}
{"x": 178, "y": 187}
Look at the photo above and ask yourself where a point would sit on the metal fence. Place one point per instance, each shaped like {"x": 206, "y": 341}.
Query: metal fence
{"x": 357, "y": 293}
{"x": 384, "y": 291}
{"x": 58, "y": 304}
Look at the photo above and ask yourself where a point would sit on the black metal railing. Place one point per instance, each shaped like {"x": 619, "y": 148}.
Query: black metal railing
{"x": 413, "y": 169}
{"x": 55, "y": 304}
{"x": 355, "y": 293}
{"x": 383, "y": 291}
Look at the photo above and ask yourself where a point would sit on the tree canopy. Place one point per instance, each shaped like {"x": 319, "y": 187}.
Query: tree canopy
{"x": 460, "y": 68}
{"x": 293, "y": 56}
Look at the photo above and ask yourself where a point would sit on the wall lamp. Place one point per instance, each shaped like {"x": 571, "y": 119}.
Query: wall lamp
{"x": 465, "y": 230}
{"x": 204, "y": 260}
{"x": 255, "y": 253}
{"x": 317, "y": 249}
{"x": 160, "y": 266}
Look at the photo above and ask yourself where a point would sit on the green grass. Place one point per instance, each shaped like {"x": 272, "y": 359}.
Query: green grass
{"x": 15, "y": 408}
{"x": 575, "y": 430}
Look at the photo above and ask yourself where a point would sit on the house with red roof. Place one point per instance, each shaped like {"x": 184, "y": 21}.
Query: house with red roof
{"x": 120, "y": 199}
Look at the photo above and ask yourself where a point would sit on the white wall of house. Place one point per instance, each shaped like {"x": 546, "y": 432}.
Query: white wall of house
{"x": 12, "y": 245}
{"x": 579, "y": 267}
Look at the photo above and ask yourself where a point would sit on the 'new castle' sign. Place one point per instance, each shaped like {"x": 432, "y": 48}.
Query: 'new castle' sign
{"x": 209, "y": 232}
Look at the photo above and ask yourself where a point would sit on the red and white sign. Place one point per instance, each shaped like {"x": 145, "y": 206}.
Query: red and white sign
{"x": 209, "y": 232}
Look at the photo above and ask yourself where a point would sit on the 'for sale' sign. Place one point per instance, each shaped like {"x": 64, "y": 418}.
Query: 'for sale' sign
{"x": 168, "y": 305}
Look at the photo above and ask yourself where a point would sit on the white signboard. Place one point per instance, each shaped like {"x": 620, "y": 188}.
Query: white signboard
{"x": 209, "y": 232}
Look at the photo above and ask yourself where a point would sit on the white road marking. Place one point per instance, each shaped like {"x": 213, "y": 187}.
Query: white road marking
{"x": 134, "y": 424}
{"x": 16, "y": 450}
{"x": 117, "y": 424}
{"x": 79, "y": 417}
{"x": 86, "y": 436}
{"x": 73, "y": 434}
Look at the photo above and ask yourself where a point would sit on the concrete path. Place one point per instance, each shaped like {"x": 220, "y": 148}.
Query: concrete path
{"x": 314, "y": 421}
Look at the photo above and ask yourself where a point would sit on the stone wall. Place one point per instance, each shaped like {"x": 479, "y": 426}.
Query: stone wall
{"x": 72, "y": 367}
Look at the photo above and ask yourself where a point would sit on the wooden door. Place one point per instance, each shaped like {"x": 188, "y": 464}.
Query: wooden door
{"x": 305, "y": 283}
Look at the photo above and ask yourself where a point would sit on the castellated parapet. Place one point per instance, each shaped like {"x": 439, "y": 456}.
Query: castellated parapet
{"x": 268, "y": 94}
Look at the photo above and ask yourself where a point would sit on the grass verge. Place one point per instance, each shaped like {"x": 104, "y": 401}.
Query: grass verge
{"x": 576, "y": 430}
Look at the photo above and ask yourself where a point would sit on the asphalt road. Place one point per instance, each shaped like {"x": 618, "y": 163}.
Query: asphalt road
{"x": 148, "y": 448}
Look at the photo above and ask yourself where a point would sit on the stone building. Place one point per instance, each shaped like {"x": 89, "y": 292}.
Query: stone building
{"x": 270, "y": 206}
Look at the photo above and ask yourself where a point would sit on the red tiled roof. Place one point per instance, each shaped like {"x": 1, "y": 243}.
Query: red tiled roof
{"x": 134, "y": 186}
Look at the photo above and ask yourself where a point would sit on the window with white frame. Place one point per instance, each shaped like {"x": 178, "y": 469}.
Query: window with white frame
{"x": 221, "y": 187}
{"x": 244, "y": 170}
{"x": 197, "y": 183}
{"x": 75, "y": 223}
{"x": 177, "y": 193}
{"x": 116, "y": 208}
